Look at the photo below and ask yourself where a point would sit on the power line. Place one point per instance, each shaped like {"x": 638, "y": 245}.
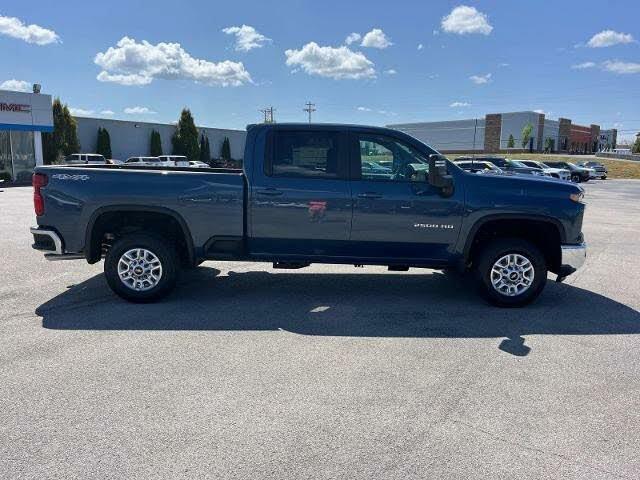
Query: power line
{"x": 311, "y": 107}
{"x": 268, "y": 114}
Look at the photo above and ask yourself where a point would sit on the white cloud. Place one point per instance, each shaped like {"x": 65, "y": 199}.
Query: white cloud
{"x": 336, "y": 63}
{"x": 391, "y": 71}
{"x": 547, "y": 114}
{"x": 16, "y": 28}
{"x": 16, "y": 85}
{"x": 607, "y": 38}
{"x": 622, "y": 68}
{"x": 247, "y": 37}
{"x": 460, "y": 104}
{"x": 420, "y": 46}
{"x": 138, "y": 111}
{"x": 107, "y": 112}
{"x": 80, "y": 112}
{"x": 133, "y": 63}
{"x": 436, "y": 32}
{"x": 464, "y": 20}
{"x": 363, "y": 109}
{"x": 352, "y": 38}
{"x": 480, "y": 79}
{"x": 376, "y": 38}
{"x": 504, "y": 65}
{"x": 583, "y": 65}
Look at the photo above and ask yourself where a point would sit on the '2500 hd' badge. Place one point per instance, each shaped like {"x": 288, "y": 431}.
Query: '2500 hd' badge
{"x": 440, "y": 226}
{"x": 66, "y": 176}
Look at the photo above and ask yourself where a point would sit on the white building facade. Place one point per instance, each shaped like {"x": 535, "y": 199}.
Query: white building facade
{"x": 23, "y": 118}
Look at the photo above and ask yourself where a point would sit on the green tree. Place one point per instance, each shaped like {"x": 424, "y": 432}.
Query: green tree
{"x": 511, "y": 143}
{"x": 64, "y": 138}
{"x": 225, "y": 149}
{"x": 549, "y": 144}
{"x": 185, "y": 138}
{"x": 526, "y": 134}
{"x": 636, "y": 145}
{"x": 103, "y": 145}
{"x": 205, "y": 151}
{"x": 155, "y": 144}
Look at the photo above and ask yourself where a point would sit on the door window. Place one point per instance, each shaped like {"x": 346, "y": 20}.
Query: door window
{"x": 306, "y": 154}
{"x": 387, "y": 159}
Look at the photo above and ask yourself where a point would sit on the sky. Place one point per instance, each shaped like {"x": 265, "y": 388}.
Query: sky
{"x": 367, "y": 62}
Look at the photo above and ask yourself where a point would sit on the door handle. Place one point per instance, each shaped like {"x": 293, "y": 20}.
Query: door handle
{"x": 271, "y": 192}
{"x": 369, "y": 195}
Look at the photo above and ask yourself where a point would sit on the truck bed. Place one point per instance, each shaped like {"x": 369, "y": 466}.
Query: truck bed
{"x": 210, "y": 202}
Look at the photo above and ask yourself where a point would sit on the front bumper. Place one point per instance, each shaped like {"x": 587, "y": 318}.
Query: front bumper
{"x": 573, "y": 257}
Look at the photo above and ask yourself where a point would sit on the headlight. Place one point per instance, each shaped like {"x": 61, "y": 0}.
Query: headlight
{"x": 577, "y": 197}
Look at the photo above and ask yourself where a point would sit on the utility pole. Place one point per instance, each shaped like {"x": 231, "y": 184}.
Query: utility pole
{"x": 311, "y": 107}
{"x": 268, "y": 114}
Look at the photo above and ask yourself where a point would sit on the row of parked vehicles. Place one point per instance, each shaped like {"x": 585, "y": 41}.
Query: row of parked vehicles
{"x": 576, "y": 173}
{"x": 149, "y": 161}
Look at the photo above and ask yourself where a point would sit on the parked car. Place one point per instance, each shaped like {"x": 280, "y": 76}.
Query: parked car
{"x": 561, "y": 173}
{"x": 304, "y": 198}
{"x": 144, "y": 161}
{"x": 506, "y": 165}
{"x": 474, "y": 166}
{"x": 371, "y": 168}
{"x": 578, "y": 174}
{"x": 174, "y": 160}
{"x": 600, "y": 171}
{"x": 197, "y": 164}
{"x": 86, "y": 159}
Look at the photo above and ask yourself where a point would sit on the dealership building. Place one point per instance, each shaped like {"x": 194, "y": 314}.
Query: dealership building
{"x": 130, "y": 139}
{"x": 502, "y": 133}
{"x": 23, "y": 118}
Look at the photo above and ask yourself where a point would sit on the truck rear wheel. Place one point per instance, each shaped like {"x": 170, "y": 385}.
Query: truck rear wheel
{"x": 511, "y": 272}
{"x": 141, "y": 268}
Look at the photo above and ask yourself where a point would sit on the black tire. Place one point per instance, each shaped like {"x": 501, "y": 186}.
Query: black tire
{"x": 575, "y": 178}
{"x": 496, "y": 250}
{"x": 163, "y": 251}
{"x": 604, "y": 177}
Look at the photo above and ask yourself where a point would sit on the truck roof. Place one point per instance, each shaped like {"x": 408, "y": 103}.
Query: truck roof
{"x": 316, "y": 126}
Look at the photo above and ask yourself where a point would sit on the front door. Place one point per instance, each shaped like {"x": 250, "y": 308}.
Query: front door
{"x": 300, "y": 203}
{"x": 397, "y": 214}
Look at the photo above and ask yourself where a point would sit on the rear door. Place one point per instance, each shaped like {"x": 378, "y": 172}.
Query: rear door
{"x": 300, "y": 202}
{"x": 397, "y": 214}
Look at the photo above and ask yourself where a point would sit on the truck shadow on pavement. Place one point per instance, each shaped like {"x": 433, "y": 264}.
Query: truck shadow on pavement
{"x": 336, "y": 304}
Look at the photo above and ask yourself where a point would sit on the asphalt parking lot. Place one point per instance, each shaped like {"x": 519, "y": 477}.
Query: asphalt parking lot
{"x": 324, "y": 372}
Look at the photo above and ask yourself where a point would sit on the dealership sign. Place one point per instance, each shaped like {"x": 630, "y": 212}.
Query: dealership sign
{"x": 15, "y": 107}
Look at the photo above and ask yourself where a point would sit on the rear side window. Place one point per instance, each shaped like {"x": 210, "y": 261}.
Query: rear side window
{"x": 305, "y": 154}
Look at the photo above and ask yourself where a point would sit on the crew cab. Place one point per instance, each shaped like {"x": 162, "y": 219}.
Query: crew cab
{"x": 313, "y": 194}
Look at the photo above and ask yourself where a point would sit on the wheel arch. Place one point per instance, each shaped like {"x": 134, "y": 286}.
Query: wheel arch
{"x": 545, "y": 232}
{"x": 95, "y": 230}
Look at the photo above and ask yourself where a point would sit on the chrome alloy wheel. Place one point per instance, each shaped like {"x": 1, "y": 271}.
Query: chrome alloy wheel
{"x": 512, "y": 274}
{"x": 139, "y": 269}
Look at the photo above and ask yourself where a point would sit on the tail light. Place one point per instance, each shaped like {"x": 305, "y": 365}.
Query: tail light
{"x": 38, "y": 180}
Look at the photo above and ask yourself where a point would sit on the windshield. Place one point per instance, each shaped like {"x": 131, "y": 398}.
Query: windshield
{"x": 516, "y": 163}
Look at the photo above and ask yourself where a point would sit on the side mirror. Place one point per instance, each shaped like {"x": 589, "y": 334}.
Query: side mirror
{"x": 438, "y": 176}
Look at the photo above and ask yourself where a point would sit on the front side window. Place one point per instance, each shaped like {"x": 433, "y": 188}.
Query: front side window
{"x": 305, "y": 154}
{"x": 387, "y": 159}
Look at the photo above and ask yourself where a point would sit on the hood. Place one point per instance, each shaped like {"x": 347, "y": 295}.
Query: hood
{"x": 530, "y": 183}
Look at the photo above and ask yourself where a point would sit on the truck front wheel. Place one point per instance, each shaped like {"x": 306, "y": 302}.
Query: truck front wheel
{"x": 511, "y": 272}
{"x": 141, "y": 268}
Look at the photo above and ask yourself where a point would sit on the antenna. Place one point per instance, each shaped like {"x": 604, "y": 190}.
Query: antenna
{"x": 311, "y": 107}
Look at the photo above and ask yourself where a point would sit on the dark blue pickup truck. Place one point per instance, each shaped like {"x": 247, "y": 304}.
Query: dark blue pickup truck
{"x": 342, "y": 194}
